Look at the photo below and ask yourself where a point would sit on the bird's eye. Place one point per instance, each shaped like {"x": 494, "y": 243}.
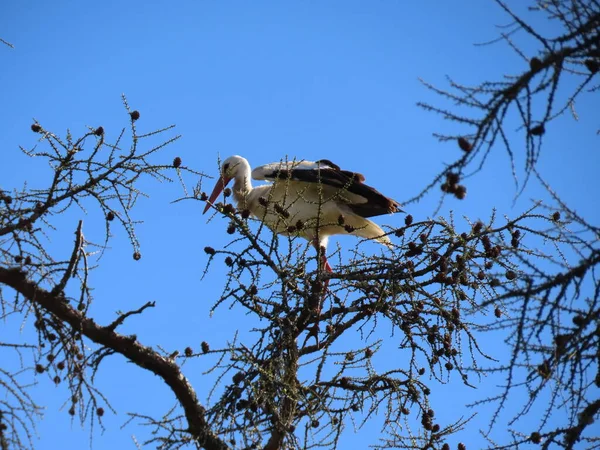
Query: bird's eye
{"x": 225, "y": 167}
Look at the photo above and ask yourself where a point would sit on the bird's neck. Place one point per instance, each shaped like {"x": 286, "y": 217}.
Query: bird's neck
{"x": 241, "y": 188}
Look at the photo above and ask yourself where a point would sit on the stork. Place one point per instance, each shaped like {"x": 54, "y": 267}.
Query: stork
{"x": 313, "y": 200}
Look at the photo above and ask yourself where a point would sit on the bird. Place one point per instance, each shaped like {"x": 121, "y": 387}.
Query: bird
{"x": 314, "y": 200}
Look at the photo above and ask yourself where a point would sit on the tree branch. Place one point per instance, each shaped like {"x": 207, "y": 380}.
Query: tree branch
{"x": 72, "y": 262}
{"x": 137, "y": 353}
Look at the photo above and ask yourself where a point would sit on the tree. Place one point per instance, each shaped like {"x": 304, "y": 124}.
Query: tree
{"x": 551, "y": 354}
{"x": 297, "y": 377}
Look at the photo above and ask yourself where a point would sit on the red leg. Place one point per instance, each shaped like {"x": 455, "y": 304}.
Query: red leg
{"x": 321, "y": 252}
{"x": 327, "y": 268}
{"x": 324, "y": 265}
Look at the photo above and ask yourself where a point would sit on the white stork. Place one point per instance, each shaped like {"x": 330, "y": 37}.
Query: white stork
{"x": 313, "y": 200}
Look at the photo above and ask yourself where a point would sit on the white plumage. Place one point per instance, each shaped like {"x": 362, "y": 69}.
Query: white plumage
{"x": 314, "y": 200}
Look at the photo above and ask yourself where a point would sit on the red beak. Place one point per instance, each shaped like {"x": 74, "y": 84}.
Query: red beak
{"x": 216, "y": 191}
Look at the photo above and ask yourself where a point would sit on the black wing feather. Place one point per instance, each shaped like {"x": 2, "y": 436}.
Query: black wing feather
{"x": 376, "y": 203}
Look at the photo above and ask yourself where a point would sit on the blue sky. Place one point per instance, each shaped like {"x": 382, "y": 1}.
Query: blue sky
{"x": 336, "y": 80}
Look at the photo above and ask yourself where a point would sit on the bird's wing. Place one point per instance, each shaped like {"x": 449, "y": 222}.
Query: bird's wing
{"x": 366, "y": 202}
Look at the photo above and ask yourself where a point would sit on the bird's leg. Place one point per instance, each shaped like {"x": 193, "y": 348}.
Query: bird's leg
{"x": 328, "y": 269}
{"x": 324, "y": 265}
{"x": 319, "y": 291}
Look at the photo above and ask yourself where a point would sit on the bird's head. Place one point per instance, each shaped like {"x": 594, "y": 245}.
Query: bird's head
{"x": 231, "y": 168}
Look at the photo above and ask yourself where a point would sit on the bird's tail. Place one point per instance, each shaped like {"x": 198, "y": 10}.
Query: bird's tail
{"x": 385, "y": 240}
{"x": 375, "y": 232}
